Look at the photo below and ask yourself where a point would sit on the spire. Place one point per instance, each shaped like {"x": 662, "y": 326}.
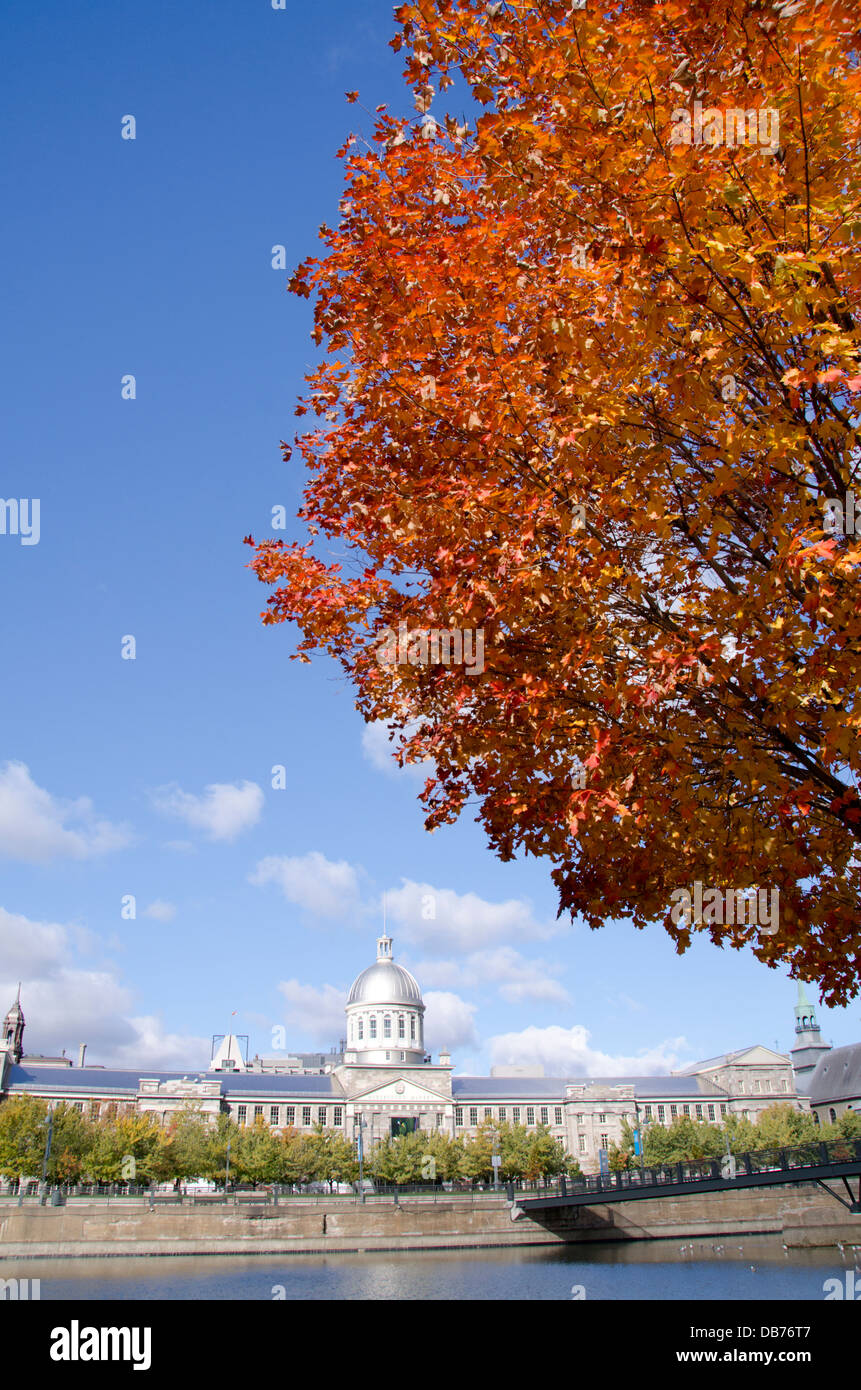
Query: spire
{"x": 805, "y": 1016}
{"x": 13, "y": 1028}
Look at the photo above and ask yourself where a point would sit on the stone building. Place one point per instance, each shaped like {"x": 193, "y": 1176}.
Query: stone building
{"x": 381, "y": 1078}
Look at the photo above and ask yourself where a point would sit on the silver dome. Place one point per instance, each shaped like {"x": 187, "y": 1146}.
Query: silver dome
{"x": 385, "y": 983}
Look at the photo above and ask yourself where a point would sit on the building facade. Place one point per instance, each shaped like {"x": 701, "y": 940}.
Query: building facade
{"x": 381, "y": 1079}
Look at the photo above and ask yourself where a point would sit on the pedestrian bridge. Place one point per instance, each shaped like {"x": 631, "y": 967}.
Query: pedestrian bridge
{"x": 820, "y": 1163}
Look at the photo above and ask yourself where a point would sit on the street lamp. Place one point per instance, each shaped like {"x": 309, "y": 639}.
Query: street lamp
{"x": 358, "y": 1126}
{"x": 495, "y": 1159}
{"x": 50, "y": 1123}
{"x": 227, "y": 1169}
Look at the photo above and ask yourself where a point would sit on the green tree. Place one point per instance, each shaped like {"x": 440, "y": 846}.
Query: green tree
{"x": 23, "y": 1133}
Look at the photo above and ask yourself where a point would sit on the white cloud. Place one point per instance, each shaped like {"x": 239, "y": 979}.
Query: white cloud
{"x": 325, "y": 887}
{"x": 566, "y": 1052}
{"x": 440, "y": 920}
{"x": 380, "y": 750}
{"x": 161, "y": 911}
{"x": 449, "y": 1021}
{"x": 223, "y": 811}
{"x": 517, "y": 977}
{"x": 35, "y": 826}
{"x": 66, "y": 1005}
{"x": 319, "y": 1013}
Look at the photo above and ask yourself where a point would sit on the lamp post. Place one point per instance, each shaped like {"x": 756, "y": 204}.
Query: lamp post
{"x": 358, "y": 1126}
{"x": 50, "y": 1123}
{"x": 495, "y": 1159}
{"x": 227, "y": 1169}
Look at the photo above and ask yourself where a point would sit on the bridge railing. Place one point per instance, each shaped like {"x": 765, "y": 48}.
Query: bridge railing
{"x": 813, "y": 1154}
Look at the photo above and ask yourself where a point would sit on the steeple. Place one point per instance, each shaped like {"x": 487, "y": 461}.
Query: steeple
{"x": 805, "y": 1018}
{"x": 13, "y": 1029}
{"x": 809, "y": 1046}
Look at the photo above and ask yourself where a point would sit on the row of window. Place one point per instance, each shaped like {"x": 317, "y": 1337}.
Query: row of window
{"x": 359, "y": 1034}
{"x": 290, "y": 1116}
{"x": 516, "y": 1112}
{"x": 711, "y": 1112}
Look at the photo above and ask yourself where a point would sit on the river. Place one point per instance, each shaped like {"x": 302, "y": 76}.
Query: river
{"x": 743, "y": 1269}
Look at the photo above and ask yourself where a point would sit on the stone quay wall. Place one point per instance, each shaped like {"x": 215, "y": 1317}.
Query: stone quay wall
{"x": 802, "y": 1216}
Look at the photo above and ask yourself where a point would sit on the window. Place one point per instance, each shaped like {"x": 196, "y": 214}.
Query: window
{"x": 686, "y": 1110}
{"x": 723, "y": 1112}
{"x": 757, "y": 1087}
{"x": 530, "y": 1114}
{"x": 338, "y": 1118}
{"x": 699, "y": 1110}
{"x": 321, "y": 1114}
{"x": 515, "y": 1113}
{"x": 388, "y": 1056}
{"x": 291, "y": 1114}
{"x": 832, "y": 1115}
{"x": 387, "y": 1028}
{"x": 558, "y": 1115}
{"x": 373, "y": 1029}
{"x": 815, "y": 1117}
{"x": 401, "y": 1026}
{"x": 740, "y": 1087}
{"x": 412, "y": 1027}
{"x": 458, "y": 1114}
{"x": 766, "y": 1085}
{"x": 662, "y": 1110}
{"x": 439, "y": 1121}
{"x": 258, "y": 1112}
{"x": 503, "y": 1114}
{"x": 648, "y": 1112}
{"x": 79, "y": 1105}
{"x": 488, "y": 1113}
{"x": 242, "y": 1114}
{"x": 473, "y": 1114}
{"x": 711, "y": 1112}
{"x": 361, "y": 1029}
{"x": 274, "y": 1114}
{"x": 604, "y": 1144}
{"x": 544, "y": 1115}
{"x": 602, "y": 1118}
{"x": 582, "y": 1142}
{"x": 674, "y": 1110}
{"x": 306, "y": 1114}
{"x": 783, "y": 1085}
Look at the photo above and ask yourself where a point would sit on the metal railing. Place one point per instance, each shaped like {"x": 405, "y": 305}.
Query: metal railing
{"x": 815, "y": 1154}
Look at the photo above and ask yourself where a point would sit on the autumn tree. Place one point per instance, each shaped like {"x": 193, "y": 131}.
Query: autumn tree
{"x": 591, "y": 392}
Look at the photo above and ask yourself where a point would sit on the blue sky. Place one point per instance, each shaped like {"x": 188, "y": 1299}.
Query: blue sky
{"x": 255, "y": 905}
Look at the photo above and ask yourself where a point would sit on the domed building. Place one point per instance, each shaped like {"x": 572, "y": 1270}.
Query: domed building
{"x": 385, "y": 1014}
{"x": 381, "y": 1080}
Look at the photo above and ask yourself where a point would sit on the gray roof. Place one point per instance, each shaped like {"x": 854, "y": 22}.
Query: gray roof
{"x": 101, "y": 1080}
{"x": 385, "y": 982}
{"x": 725, "y": 1059}
{"x": 553, "y": 1088}
{"x": 837, "y": 1076}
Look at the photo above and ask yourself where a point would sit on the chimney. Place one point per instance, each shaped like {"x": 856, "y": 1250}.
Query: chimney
{"x": 82, "y": 1052}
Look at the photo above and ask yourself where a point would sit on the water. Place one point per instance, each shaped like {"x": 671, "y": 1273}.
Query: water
{"x": 753, "y": 1268}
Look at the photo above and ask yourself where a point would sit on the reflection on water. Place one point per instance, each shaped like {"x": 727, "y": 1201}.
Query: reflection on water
{"x": 757, "y": 1267}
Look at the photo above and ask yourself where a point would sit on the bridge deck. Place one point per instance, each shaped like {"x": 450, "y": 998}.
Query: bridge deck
{"x": 764, "y": 1169}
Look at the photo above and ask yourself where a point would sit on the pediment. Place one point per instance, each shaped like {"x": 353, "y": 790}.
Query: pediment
{"x": 400, "y": 1091}
{"x": 760, "y": 1056}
